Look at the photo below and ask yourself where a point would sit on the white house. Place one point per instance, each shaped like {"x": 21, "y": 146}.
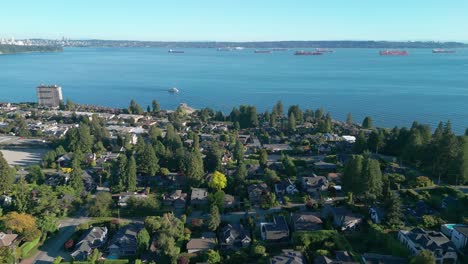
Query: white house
{"x": 460, "y": 236}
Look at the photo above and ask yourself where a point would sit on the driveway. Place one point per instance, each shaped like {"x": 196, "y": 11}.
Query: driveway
{"x": 53, "y": 247}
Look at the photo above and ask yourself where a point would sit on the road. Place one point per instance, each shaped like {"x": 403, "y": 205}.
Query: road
{"x": 53, "y": 247}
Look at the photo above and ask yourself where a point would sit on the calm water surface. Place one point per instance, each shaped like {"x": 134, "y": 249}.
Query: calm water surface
{"x": 392, "y": 90}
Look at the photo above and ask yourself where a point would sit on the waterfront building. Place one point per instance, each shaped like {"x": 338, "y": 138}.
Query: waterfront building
{"x": 49, "y": 96}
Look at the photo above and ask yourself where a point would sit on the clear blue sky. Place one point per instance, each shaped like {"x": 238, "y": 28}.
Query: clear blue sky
{"x": 241, "y": 20}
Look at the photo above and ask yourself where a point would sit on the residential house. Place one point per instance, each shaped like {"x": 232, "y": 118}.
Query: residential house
{"x": 458, "y": 234}
{"x": 277, "y": 147}
{"x": 276, "y": 231}
{"x": 256, "y": 192}
{"x": 342, "y": 218}
{"x": 6, "y": 240}
{"x": 234, "y": 237}
{"x": 125, "y": 196}
{"x": 288, "y": 256}
{"x": 324, "y": 166}
{"x": 201, "y": 244}
{"x": 306, "y": 221}
{"x": 419, "y": 239}
{"x": 229, "y": 201}
{"x": 314, "y": 185}
{"x": 371, "y": 258}
{"x": 376, "y": 214}
{"x": 177, "y": 199}
{"x": 340, "y": 257}
{"x": 199, "y": 196}
{"x": 95, "y": 237}
{"x": 254, "y": 171}
{"x": 286, "y": 187}
{"x": 124, "y": 242}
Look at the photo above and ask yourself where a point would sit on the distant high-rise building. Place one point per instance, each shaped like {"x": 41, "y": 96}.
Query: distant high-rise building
{"x": 49, "y": 96}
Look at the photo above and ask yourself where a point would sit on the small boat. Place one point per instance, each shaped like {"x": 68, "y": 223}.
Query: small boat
{"x": 175, "y": 51}
{"x": 443, "y": 51}
{"x": 393, "y": 53}
{"x": 225, "y": 49}
{"x": 262, "y": 51}
{"x": 279, "y": 49}
{"x": 305, "y": 53}
{"x": 173, "y": 90}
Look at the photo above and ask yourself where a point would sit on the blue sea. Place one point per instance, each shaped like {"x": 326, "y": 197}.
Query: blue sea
{"x": 394, "y": 91}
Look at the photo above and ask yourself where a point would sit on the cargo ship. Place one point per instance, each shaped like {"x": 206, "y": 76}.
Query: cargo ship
{"x": 262, "y": 51}
{"x": 303, "y": 52}
{"x": 442, "y": 51}
{"x": 393, "y": 53}
{"x": 175, "y": 51}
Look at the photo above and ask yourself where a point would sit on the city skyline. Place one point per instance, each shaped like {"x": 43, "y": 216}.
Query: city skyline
{"x": 262, "y": 20}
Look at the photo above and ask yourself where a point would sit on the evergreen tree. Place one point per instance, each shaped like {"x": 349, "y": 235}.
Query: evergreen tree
{"x": 143, "y": 240}
{"x": 214, "y": 219}
{"x": 241, "y": 172}
{"x": 195, "y": 169}
{"x": 466, "y": 132}
{"x": 393, "y": 210}
{"x": 120, "y": 174}
{"x": 156, "y": 107}
{"x": 292, "y": 123}
{"x": 238, "y": 152}
{"x": 278, "y": 109}
{"x": 131, "y": 176}
{"x": 349, "y": 119}
{"x": 376, "y": 140}
{"x": 213, "y": 158}
{"x": 372, "y": 178}
{"x": 76, "y": 180}
{"x": 263, "y": 158}
{"x": 352, "y": 180}
{"x": 147, "y": 161}
{"x": 319, "y": 113}
{"x": 361, "y": 143}
{"x": 367, "y": 123}
{"x": 21, "y": 199}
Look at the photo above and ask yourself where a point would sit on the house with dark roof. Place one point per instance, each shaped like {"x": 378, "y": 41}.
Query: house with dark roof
{"x": 233, "y": 237}
{"x": 342, "y": 218}
{"x": 419, "y": 239}
{"x": 324, "y": 166}
{"x": 286, "y": 187}
{"x": 340, "y": 257}
{"x": 7, "y": 240}
{"x": 95, "y": 237}
{"x": 376, "y": 214}
{"x": 288, "y": 256}
{"x": 371, "y": 258}
{"x": 256, "y": 192}
{"x": 275, "y": 231}
{"x": 124, "y": 242}
{"x": 177, "y": 199}
{"x": 314, "y": 185}
{"x": 306, "y": 221}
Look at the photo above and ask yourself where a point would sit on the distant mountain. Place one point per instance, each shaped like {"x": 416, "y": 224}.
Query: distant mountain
{"x": 12, "y": 49}
{"x": 265, "y": 44}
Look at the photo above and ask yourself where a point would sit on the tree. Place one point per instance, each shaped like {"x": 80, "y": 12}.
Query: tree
{"x": 367, "y": 122}
{"x": 238, "y": 152}
{"x": 143, "y": 240}
{"x": 361, "y": 143}
{"x": 349, "y": 119}
{"x": 35, "y": 174}
{"x": 393, "y": 209}
{"x": 94, "y": 256}
{"x": 119, "y": 175}
{"x": 352, "y": 180}
{"x": 7, "y": 255}
{"x": 217, "y": 199}
{"x": 23, "y": 224}
{"x": 213, "y": 158}
{"x": 241, "y": 172}
{"x": 292, "y": 123}
{"x": 271, "y": 177}
{"x": 289, "y": 166}
{"x": 259, "y": 250}
{"x": 101, "y": 205}
{"x": 195, "y": 170}
{"x": 466, "y": 132}
{"x": 372, "y": 178}
{"x": 147, "y": 161}
{"x": 268, "y": 200}
{"x": 213, "y": 257}
{"x": 218, "y": 181}
{"x": 263, "y": 158}
{"x": 156, "y": 107}
{"x": 22, "y": 194}
{"x": 6, "y": 175}
{"x": 214, "y": 219}
{"x": 278, "y": 109}
{"x": 423, "y": 257}
{"x": 76, "y": 180}
{"x": 135, "y": 108}
{"x": 131, "y": 180}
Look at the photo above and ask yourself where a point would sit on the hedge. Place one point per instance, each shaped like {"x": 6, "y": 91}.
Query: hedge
{"x": 28, "y": 246}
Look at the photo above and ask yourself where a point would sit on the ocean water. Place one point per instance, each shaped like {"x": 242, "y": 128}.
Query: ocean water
{"x": 394, "y": 91}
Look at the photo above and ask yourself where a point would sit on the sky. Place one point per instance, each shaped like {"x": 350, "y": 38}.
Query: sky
{"x": 241, "y": 20}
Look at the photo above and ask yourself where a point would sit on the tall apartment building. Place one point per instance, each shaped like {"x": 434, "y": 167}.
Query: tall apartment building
{"x": 49, "y": 96}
